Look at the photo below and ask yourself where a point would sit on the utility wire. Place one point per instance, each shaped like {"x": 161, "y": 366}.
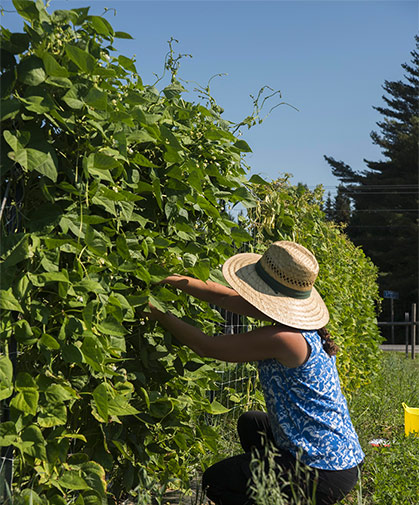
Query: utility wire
{"x": 386, "y": 210}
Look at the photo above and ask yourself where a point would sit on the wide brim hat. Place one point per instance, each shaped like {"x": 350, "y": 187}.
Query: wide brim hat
{"x": 280, "y": 283}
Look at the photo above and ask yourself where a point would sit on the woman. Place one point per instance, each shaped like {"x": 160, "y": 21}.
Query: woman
{"x": 307, "y": 415}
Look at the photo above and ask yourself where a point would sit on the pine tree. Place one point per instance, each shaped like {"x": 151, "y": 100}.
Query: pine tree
{"x": 385, "y": 195}
{"x": 328, "y": 208}
{"x": 342, "y": 206}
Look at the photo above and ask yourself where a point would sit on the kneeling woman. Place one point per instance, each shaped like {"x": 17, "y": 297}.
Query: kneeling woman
{"x": 307, "y": 415}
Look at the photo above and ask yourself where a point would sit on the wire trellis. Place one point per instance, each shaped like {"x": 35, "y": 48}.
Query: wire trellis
{"x": 237, "y": 386}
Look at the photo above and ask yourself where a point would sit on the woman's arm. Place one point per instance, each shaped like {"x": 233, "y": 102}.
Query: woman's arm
{"x": 215, "y": 293}
{"x": 287, "y": 346}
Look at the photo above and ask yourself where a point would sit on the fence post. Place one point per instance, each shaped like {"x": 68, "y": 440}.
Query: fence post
{"x": 392, "y": 319}
{"x": 413, "y": 329}
{"x": 406, "y": 340}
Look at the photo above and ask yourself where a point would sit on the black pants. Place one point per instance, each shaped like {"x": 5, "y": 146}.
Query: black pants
{"x": 229, "y": 481}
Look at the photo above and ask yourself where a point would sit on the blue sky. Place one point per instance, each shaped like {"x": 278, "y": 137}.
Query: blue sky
{"x": 329, "y": 59}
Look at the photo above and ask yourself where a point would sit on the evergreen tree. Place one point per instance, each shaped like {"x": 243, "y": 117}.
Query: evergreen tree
{"x": 342, "y": 206}
{"x": 328, "y": 208}
{"x": 385, "y": 195}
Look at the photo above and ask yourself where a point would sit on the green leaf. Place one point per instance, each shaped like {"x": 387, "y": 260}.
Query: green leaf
{"x": 189, "y": 260}
{"x": 25, "y": 381}
{"x": 7, "y": 60}
{"x": 71, "y": 479}
{"x": 71, "y": 353}
{"x": 89, "y": 285}
{"x": 17, "y": 141}
{"x": 111, "y": 327}
{"x": 142, "y": 161}
{"x": 6, "y": 378}
{"x": 27, "y": 9}
{"x": 44, "y": 162}
{"x": 101, "y": 26}
{"x": 7, "y": 83}
{"x": 256, "y": 179}
{"x": 157, "y": 192}
{"x": 95, "y": 476}
{"x": 101, "y": 161}
{"x": 8, "y": 301}
{"x": 9, "y": 108}
{"x": 119, "y": 406}
{"x": 122, "y": 35}
{"x": 43, "y": 279}
{"x": 67, "y": 16}
{"x": 37, "y": 449}
{"x": 60, "y": 82}
{"x": 26, "y": 401}
{"x": 49, "y": 342}
{"x": 117, "y": 195}
{"x": 92, "y": 353}
{"x": 96, "y": 241}
{"x": 18, "y": 43}
{"x": 84, "y": 61}
{"x": 126, "y": 63}
{"x": 100, "y": 397}
{"x": 206, "y": 206}
{"x": 23, "y": 333}
{"x": 52, "y": 67}
{"x": 97, "y": 98}
{"x": 17, "y": 253}
{"x": 243, "y": 146}
{"x": 56, "y": 393}
{"x": 216, "y": 408}
{"x": 31, "y": 71}
{"x": 72, "y": 99}
{"x": 173, "y": 90}
{"x": 202, "y": 269}
{"x": 219, "y": 134}
{"x": 240, "y": 235}
{"x": 54, "y": 414}
{"x": 8, "y": 433}
{"x": 157, "y": 304}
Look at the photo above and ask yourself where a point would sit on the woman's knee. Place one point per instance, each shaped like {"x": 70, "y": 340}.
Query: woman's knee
{"x": 252, "y": 420}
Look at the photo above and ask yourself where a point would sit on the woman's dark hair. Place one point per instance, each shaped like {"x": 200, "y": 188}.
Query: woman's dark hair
{"x": 328, "y": 345}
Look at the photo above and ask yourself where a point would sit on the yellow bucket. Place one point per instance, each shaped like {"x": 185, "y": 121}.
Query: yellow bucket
{"x": 411, "y": 420}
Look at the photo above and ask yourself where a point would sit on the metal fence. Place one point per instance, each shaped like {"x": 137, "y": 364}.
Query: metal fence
{"x": 410, "y": 324}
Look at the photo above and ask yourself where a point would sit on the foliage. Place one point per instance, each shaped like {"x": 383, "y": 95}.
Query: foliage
{"x": 340, "y": 210}
{"x": 272, "y": 484}
{"x": 347, "y": 278}
{"x": 110, "y": 185}
{"x": 385, "y": 196}
{"x": 377, "y": 412}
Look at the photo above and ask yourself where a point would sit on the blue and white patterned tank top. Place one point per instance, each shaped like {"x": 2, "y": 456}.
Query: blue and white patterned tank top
{"x": 308, "y": 411}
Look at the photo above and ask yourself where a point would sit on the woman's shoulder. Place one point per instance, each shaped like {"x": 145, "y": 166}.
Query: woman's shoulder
{"x": 292, "y": 348}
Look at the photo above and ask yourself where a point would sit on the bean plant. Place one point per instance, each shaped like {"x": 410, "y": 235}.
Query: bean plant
{"x": 110, "y": 185}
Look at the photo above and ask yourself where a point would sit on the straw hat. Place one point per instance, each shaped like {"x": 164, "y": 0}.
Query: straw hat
{"x": 280, "y": 284}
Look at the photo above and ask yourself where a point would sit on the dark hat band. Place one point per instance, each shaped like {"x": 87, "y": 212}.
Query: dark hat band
{"x": 278, "y": 287}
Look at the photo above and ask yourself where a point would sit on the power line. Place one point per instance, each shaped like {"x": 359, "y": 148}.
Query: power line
{"x": 398, "y": 193}
{"x": 386, "y": 210}
{"x": 378, "y": 186}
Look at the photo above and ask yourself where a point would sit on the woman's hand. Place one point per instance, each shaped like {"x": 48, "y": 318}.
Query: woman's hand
{"x": 154, "y": 314}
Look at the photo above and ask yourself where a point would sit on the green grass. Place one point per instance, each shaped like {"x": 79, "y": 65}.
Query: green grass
{"x": 391, "y": 474}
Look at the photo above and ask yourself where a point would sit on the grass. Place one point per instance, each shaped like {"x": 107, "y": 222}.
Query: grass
{"x": 391, "y": 474}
